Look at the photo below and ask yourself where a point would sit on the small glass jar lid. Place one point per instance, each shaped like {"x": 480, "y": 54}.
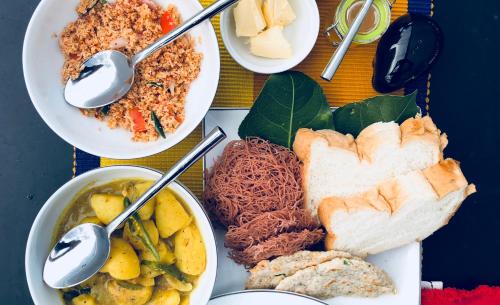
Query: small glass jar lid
{"x": 373, "y": 27}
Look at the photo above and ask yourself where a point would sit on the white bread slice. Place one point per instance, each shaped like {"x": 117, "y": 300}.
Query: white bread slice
{"x": 268, "y": 274}
{"x": 336, "y": 165}
{"x": 339, "y": 277}
{"x": 408, "y": 208}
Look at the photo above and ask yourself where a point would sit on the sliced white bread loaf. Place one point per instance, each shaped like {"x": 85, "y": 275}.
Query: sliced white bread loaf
{"x": 407, "y": 208}
{"x": 337, "y": 165}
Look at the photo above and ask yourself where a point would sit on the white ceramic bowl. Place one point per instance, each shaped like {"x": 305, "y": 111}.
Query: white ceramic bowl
{"x": 40, "y": 237}
{"x": 301, "y": 33}
{"x": 42, "y": 63}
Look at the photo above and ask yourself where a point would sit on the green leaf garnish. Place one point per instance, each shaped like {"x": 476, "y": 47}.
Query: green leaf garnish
{"x": 288, "y": 101}
{"x": 128, "y": 285}
{"x": 155, "y": 84}
{"x": 157, "y": 124}
{"x": 352, "y": 118}
{"x": 165, "y": 268}
{"x": 137, "y": 228}
{"x": 105, "y": 110}
{"x": 74, "y": 292}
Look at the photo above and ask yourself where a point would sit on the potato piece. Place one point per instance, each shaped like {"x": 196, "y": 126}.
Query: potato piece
{"x": 136, "y": 242}
{"x": 125, "y": 296}
{"x": 189, "y": 250}
{"x": 148, "y": 209}
{"x": 177, "y": 284}
{"x": 144, "y": 281}
{"x": 166, "y": 297}
{"x": 91, "y": 219}
{"x": 107, "y": 206}
{"x": 123, "y": 263}
{"x": 184, "y": 300}
{"x": 166, "y": 255}
{"x": 84, "y": 299}
{"x": 170, "y": 214}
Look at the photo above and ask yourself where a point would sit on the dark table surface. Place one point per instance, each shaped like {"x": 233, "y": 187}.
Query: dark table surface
{"x": 465, "y": 95}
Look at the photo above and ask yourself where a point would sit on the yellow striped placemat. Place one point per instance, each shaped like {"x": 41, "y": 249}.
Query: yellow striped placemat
{"x": 238, "y": 87}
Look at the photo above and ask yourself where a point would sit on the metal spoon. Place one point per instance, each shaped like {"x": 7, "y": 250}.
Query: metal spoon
{"x": 339, "y": 53}
{"x": 108, "y": 75}
{"x": 81, "y": 252}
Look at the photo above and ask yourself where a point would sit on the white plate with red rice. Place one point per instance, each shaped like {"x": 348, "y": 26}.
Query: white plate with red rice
{"x": 172, "y": 93}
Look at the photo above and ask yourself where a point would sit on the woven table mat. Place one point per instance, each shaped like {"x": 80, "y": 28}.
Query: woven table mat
{"x": 239, "y": 87}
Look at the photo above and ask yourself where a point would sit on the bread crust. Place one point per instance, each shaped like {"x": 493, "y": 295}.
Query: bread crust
{"x": 307, "y": 137}
{"x": 385, "y": 193}
{"x": 369, "y": 139}
{"x": 369, "y": 200}
{"x": 444, "y": 178}
{"x": 329, "y": 240}
{"x": 425, "y": 129}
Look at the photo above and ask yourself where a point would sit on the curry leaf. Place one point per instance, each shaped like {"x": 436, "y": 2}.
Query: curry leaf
{"x": 137, "y": 228}
{"x": 71, "y": 293}
{"x": 164, "y": 268}
{"x": 155, "y": 84}
{"x": 288, "y": 101}
{"x": 105, "y": 110}
{"x": 157, "y": 124}
{"x": 128, "y": 285}
{"x": 352, "y": 118}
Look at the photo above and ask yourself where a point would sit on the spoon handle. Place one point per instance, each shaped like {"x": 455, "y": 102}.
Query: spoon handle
{"x": 205, "y": 14}
{"x": 210, "y": 141}
{"x": 339, "y": 53}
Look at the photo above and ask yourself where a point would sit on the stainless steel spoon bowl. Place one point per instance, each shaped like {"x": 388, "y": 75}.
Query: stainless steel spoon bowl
{"x": 81, "y": 252}
{"x": 108, "y": 75}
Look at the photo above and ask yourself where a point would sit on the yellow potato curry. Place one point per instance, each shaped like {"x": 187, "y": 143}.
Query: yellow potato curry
{"x": 157, "y": 256}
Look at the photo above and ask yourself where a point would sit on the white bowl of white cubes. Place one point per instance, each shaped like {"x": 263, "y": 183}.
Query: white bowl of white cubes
{"x": 270, "y": 36}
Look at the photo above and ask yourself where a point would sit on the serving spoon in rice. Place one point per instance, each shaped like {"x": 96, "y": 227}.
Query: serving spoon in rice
{"x": 108, "y": 75}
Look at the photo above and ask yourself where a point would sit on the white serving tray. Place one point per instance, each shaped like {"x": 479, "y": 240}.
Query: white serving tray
{"x": 403, "y": 264}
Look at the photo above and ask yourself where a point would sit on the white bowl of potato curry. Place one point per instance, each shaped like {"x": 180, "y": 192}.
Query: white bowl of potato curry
{"x": 165, "y": 254}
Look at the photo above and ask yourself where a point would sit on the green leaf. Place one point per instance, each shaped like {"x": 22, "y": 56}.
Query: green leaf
{"x": 155, "y": 84}
{"x": 157, "y": 124}
{"x": 105, "y": 109}
{"x": 164, "y": 268}
{"x": 288, "y": 101}
{"x": 352, "y": 118}
{"x": 128, "y": 285}
{"x": 70, "y": 293}
{"x": 137, "y": 228}
{"x": 89, "y": 5}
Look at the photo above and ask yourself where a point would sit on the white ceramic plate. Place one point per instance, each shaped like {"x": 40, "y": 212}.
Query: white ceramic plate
{"x": 42, "y": 63}
{"x": 263, "y": 297}
{"x": 301, "y": 33}
{"x": 41, "y": 233}
{"x": 401, "y": 264}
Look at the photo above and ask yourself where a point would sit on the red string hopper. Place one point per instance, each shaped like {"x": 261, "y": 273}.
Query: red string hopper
{"x": 255, "y": 190}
